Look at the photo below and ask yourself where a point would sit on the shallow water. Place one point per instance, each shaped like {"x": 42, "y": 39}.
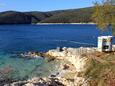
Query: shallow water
{"x": 16, "y": 39}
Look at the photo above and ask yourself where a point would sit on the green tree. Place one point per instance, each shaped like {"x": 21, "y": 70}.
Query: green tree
{"x": 104, "y": 15}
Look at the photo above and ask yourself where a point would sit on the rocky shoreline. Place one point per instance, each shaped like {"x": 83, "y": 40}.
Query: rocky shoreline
{"x": 71, "y": 71}
{"x": 80, "y": 67}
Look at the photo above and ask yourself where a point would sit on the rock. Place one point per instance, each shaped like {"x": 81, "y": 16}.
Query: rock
{"x": 18, "y": 83}
{"x": 75, "y": 56}
{"x": 80, "y": 81}
{"x": 64, "y": 48}
{"x": 72, "y": 55}
{"x": 65, "y": 67}
{"x": 6, "y": 70}
{"x": 53, "y": 76}
{"x": 33, "y": 80}
{"x": 37, "y": 82}
{"x": 32, "y": 55}
{"x": 51, "y": 59}
{"x": 29, "y": 84}
{"x": 81, "y": 63}
{"x": 59, "y": 49}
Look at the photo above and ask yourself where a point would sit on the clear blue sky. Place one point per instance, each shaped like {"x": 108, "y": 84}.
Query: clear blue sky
{"x": 43, "y": 5}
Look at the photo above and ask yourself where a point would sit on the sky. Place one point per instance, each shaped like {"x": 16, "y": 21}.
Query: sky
{"x": 43, "y": 5}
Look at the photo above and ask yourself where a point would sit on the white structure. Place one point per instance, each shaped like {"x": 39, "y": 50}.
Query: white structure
{"x": 105, "y": 43}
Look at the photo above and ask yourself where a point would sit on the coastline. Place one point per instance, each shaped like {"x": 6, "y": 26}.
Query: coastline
{"x": 67, "y": 73}
{"x": 53, "y": 24}
{"x": 64, "y": 23}
{"x": 79, "y": 67}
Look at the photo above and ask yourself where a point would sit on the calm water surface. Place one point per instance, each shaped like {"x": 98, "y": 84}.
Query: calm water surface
{"x": 22, "y": 38}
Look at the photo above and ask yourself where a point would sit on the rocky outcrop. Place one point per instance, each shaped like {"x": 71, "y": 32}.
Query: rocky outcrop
{"x": 37, "y": 82}
{"x": 74, "y": 56}
{"x": 71, "y": 71}
{"x": 78, "y": 67}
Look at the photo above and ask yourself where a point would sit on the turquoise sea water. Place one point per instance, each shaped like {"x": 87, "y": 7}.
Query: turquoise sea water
{"x": 16, "y": 39}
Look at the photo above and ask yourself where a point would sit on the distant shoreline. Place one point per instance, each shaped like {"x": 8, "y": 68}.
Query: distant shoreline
{"x": 52, "y": 24}
{"x": 63, "y": 23}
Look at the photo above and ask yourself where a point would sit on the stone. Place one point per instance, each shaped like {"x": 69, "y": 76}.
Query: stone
{"x": 65, "y": 67}
{"x": 29, "y": 84}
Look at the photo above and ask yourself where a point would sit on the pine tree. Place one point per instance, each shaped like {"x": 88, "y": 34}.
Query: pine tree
{"x": 104, "y": 15}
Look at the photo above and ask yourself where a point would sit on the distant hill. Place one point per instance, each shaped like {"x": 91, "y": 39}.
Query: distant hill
{"x": 38, "y": 16}
{"x": 71, "y": 16}
{"x": 82, "y": 15}
{"x": 12, "y": 17}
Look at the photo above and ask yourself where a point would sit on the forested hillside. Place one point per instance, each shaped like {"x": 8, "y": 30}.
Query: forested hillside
{"x": 61, "y": 16}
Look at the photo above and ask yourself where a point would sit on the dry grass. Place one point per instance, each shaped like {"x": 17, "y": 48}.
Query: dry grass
{"x": 102, "y": 69}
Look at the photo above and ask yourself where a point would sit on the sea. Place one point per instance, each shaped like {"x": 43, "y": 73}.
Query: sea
{"x": 17, "y": 39}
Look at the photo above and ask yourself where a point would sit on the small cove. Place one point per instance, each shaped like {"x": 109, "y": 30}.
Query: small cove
{"x": 16, "y": 39}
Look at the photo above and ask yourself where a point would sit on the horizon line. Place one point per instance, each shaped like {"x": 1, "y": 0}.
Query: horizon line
{"x": 47, "y": 10}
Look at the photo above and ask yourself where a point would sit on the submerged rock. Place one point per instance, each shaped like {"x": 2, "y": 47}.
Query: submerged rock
{"x": 5, "y": 73}
{"x": 31, "y": 55}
